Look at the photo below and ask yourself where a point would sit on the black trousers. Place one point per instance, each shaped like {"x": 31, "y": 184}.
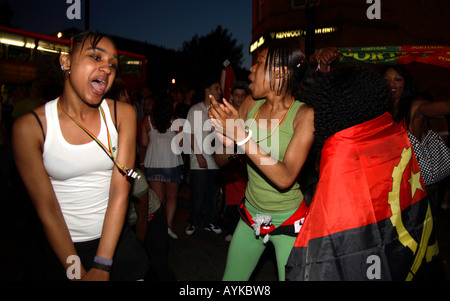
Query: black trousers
{"x": 157, "y": 246}
{"x": 130, "y": 260}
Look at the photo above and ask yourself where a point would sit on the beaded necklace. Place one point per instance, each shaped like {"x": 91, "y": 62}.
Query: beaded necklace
{"x": 109, "y": 149}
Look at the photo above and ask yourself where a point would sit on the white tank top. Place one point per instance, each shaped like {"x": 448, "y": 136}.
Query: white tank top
{"x": 80, "y": 175}
{"x": 159, "y": 153}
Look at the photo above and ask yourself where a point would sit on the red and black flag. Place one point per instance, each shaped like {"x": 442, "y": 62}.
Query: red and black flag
{"x": 370, "y": 217}
{"x": 227, "y": 80}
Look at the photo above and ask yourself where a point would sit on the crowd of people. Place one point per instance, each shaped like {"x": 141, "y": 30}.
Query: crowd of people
{"x": 103, "y": 167}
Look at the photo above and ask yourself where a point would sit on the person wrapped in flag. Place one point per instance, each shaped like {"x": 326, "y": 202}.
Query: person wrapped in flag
{"x": 370, "y": 218}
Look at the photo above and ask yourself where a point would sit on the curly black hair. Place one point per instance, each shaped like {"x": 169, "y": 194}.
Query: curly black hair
{"x": 343, "y": 98}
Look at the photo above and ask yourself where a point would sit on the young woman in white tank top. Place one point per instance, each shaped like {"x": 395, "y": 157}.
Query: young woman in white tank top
{"x": 79, "y": 193}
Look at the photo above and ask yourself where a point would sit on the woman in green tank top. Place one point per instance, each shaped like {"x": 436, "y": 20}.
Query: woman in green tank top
{"x": 276, "y": 132}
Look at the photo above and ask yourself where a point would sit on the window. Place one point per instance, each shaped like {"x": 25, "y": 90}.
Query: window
{"x": 130, "y": 66}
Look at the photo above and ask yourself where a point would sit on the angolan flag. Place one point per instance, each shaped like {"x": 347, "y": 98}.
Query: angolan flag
{"x": 370, "y": 218}
{"x": 227, "y": 80}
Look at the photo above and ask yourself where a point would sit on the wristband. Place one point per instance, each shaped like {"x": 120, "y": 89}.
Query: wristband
{"x": 249, "y": 135}
{"x": 101, "y": 263}
{"x": 103, "y": 260}
{"x": 103, "y": 267}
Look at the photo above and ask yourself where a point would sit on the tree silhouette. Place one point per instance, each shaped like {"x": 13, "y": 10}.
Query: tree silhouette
{"x": 204, "y": 56}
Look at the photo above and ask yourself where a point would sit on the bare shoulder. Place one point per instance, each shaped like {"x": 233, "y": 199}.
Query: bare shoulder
{"x": 28, "y": 126}
{"x": 124, "y": 110}
{"x": 304, "y": 116}
{"x": 246, "y": 106}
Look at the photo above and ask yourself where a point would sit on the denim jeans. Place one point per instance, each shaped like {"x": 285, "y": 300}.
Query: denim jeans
{"x": 205, "y": 186}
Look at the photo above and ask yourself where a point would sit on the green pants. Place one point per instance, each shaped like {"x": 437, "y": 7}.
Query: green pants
{"x": 246, "y": 249}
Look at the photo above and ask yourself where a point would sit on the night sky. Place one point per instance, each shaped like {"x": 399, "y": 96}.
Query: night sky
{"x": 159, "y": 22}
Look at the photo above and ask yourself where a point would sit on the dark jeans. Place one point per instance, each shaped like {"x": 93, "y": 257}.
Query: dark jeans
{"x": 205, "y": 186}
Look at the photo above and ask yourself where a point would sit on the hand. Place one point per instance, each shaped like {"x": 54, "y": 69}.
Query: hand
{"x": 219, "y": 114}
{"x": 326, "y": 56}
{"x": 202, "y": 163}
{"x": 95, "y": 275}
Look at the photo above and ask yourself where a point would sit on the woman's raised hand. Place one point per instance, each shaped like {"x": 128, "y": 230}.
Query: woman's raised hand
{"x": 226, "y": 122}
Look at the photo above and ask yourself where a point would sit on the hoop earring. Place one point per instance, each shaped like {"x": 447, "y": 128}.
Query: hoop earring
{"x": 62, "y": 67}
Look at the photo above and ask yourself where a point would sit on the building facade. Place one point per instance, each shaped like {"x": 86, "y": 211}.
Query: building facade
{"x": 356, "y": 23}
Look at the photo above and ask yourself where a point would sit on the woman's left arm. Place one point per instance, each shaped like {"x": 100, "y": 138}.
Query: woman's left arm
{"x": 120, "y": 185}
{"x": 432, "y": 108}
{"x": 420, "y": 109}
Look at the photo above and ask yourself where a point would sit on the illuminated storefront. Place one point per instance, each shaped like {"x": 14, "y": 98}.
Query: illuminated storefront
{"x": 288, "y": 34}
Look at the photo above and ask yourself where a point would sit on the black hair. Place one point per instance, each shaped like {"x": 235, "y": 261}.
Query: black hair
{"x": 344, "y": 98}
{"x": 162, "y": 112}
{"x": 282, "y": 54}
{"x": 79, "y": 40}
{"x": 240, "y": 85}
{"x": 409, "y": 93}
{"x": 206, "y": 84}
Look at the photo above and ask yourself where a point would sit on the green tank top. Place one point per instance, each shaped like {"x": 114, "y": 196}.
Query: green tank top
{"x": 260, "y": 192}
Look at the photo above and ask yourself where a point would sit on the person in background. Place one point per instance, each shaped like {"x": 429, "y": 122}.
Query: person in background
{"x": 79, "y": 192}
{"x": 148, "y": 103}
{"x": 439, "y": 193}
{"x": 138, "y": 101}
{"x": 146, "y": 215}
{"x": 414, "y": 113}
{"x": 163, "y": 167}
{"x": 119, "y": 91}
{"x": 205, "y": 176}
{"x": 239, "y": 91}
{"x": 234, "y": 170}
{"x": 409, "y": 110}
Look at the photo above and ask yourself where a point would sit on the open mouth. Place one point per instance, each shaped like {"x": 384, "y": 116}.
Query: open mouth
{"x": 99, "y": 86}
